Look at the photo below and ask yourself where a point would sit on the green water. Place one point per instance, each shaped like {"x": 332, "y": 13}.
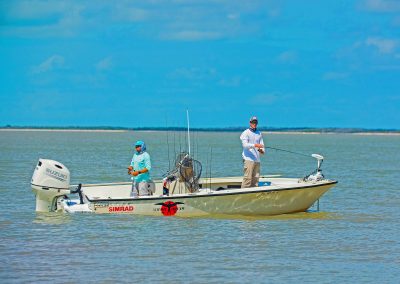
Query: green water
{"x": 355, "y": 238}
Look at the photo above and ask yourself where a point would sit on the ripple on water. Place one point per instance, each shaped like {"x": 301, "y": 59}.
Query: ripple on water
{"x": 354, "y": 238}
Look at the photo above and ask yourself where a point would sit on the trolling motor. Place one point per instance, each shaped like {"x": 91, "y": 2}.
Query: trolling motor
{"x": 320, "y": 159}
{"x": 317, "y": 174}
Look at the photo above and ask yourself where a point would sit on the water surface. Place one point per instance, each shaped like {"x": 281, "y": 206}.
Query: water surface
{"x": 355, "y": 238}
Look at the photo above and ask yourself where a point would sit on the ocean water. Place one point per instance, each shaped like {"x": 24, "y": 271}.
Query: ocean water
{"x": 354, "y": 238}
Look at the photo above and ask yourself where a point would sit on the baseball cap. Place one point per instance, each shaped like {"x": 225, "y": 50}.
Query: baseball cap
{"x": 139, "y": 143}
{"x": 253, "y": 118}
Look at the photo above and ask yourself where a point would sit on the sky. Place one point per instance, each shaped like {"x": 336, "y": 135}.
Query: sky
{"x": 310, "y": 63}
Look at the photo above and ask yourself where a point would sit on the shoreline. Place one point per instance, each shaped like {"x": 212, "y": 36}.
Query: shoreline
{"x": 58, "y": 130}
{"x": 332, "y": 133}
{"x": 366, "y": 133}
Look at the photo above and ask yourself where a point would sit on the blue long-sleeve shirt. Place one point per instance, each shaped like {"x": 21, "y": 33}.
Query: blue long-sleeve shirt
{"x": 139, "y": 162}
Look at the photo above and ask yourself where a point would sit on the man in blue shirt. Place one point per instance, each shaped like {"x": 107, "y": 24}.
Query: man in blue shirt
{"x": 140, "y": 170}
{"x": 253, "y": 146}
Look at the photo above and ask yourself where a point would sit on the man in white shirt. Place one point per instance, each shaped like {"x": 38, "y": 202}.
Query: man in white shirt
{"x": 253, "y": 146}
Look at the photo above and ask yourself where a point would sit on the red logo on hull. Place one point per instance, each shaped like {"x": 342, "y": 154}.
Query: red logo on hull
{"x": 169, "y": 208}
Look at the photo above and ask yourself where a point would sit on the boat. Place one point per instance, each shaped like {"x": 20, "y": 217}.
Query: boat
{"x": 182, "y": 192}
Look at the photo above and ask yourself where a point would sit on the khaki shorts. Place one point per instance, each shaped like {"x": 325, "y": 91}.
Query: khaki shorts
{"x": 140, "y": 189}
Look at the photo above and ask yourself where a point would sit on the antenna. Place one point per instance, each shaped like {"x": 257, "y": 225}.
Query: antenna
{"x": 180, "y": 140}
{"x": 188, "y": 129}
{"x": 174, "y": 142}
{"x": 169, "y": 160}
{"x": 210, "y": 166}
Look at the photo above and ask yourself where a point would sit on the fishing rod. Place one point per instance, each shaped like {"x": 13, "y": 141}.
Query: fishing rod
{"x": 188, "y": 129}
{"x": 319, "y": 157}
{"x": 169, "y": 160}
{"x": 287, "y": 151}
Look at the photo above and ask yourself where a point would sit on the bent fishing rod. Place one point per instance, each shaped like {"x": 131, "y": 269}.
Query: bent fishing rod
{"x": 319, "y": 157}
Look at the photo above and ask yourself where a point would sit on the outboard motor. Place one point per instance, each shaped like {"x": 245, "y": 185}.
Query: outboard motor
{"x": 50, "y": 180}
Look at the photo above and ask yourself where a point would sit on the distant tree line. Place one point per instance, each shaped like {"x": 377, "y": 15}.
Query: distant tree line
{"x": 211, "y": 129}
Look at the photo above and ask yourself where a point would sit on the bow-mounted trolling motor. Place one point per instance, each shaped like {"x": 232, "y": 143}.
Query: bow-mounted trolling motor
{"x": 50, "y": 180}
{"x": 317, "y": 174}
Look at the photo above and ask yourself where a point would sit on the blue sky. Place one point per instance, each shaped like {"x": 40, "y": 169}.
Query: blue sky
{"x": 143, "y": 63}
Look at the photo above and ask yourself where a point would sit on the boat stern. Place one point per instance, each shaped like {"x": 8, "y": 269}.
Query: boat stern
{"x": 50, "y": 180}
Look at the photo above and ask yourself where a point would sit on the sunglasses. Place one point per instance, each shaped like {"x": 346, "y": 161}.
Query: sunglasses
{"x": 137, "y": 146}
{"x": 254, "y": 122}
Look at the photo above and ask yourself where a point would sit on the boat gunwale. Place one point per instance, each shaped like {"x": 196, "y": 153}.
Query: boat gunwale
{"x": 213, "y": 193}
{"x": 206, "y": 180}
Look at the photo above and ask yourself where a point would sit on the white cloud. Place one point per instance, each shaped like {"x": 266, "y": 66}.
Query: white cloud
{"x": 104, "y": 64}
{"x": 191, "y": 35}
{"x": 384, "y": 46}
{"x": 385, "y": 6}
{"x": 51, "y": 63}
{"x": 36, "y": 9}
{"x": 235, "y": 81}
{"x": 267, "y": 99}
{"x": 233, "y": 16}
{"x": 169, "y": 20}
{"x": 274, "y": 12}
{"x": 125, "y": 12}
{"x": 193, "y": 73}
{"x": 396, "y": 21}
{"x": 347, "y": 51}
{"x": 334, "y": 76}
{"x": 33, "y": 19}
{"x": 287, "y": 57}
{"x": 387, "y": 67}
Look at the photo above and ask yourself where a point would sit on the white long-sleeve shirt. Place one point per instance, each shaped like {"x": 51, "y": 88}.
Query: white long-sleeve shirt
{"x": 249, "y": 138}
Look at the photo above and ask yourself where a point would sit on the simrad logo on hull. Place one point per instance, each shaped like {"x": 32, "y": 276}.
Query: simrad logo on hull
{"x": 121, "y": 208}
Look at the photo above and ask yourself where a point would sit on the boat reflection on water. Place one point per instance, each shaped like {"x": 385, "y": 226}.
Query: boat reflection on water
{"x": 52, "y": 218}
{"x": 58, "y": 218}
{"x": 292, "y": 216}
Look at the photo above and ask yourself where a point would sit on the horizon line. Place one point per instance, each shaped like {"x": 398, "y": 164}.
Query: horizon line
{"x": 226, "y": 129}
